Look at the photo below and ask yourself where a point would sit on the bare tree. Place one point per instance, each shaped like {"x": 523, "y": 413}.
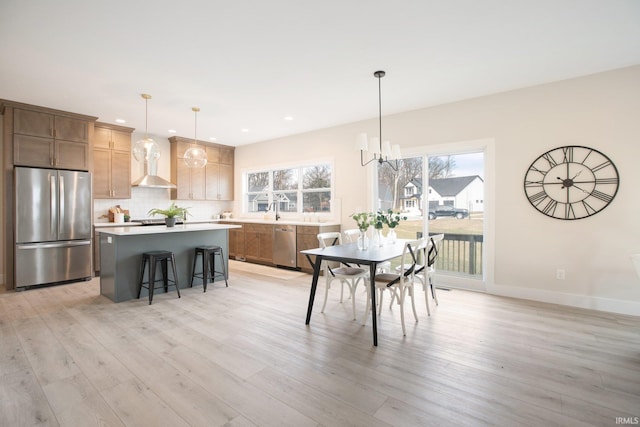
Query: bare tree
{"x": 285, "y": 179}
{"x": 441, "y": 166}
{"x": 396, "y": 180}
{"x": 317, "y": 177}
{"x": 258, "y": 181}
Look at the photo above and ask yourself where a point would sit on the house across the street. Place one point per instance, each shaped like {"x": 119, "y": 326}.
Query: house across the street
{"x": 466, "y": 192}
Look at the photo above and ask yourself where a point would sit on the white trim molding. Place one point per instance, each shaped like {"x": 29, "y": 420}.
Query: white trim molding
{"x": 573, "y": 300}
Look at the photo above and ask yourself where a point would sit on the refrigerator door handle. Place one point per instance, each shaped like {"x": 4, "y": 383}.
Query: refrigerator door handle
{"x": 53, "y": 203}
{"x": 54, "y": 244}
{"x": 61, "y": 204}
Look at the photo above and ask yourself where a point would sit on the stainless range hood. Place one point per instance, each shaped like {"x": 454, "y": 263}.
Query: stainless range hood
{"x": 151, "y": 178}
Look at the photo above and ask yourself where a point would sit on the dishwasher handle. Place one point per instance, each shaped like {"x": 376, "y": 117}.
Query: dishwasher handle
{"x": 285, "y": 229}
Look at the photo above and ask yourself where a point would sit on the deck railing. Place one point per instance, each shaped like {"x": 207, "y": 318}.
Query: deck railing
{"x": 460, "y": 253}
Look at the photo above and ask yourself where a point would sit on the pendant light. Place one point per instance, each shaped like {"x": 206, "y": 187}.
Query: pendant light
{"x": 195, "y": 156}
{"x": 146, "y": 149}
{"x": 387, "y": 153}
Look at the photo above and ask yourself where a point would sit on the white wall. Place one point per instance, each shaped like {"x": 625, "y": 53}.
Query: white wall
{"x": 599, "y": 111}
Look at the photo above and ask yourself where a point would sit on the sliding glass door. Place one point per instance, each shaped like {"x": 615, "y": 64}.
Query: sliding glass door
{"x": 441, "y": 193}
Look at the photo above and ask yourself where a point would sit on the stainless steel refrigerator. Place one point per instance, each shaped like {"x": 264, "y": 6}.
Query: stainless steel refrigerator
{"x": 52, "y": 226}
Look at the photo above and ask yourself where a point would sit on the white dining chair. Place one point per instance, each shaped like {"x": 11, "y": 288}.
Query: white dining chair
{"x": 400, "y": 285}
{"x": 426, "y": 268}
{"x": 345, "y": 274}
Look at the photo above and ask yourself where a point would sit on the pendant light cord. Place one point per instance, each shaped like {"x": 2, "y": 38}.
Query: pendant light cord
{"x": 380, "y": 112}
{"x": 195, "y": 128}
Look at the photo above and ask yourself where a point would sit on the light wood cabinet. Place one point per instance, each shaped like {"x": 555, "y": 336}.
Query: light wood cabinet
{"x": 45, "y": 138}
{"x": 112, "y": 162}
{"x": 258, "y": 243}
{"x": 307, "y": 238}
{"x": 236, "y": 242}
{"x": 254, "y": 242}
{"x": 213, "y": 182}
{"x": 112, "y": 136}
{"x": 219, "y": 181}
{"x": 190, "y": 182}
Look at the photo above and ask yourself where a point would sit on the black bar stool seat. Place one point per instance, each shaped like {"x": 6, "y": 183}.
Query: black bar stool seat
{"x": 153, "y": 258}
{"x": 208, "y": 254}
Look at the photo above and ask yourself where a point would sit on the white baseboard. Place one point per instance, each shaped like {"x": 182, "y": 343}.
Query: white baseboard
{"x": 581, "y": 301}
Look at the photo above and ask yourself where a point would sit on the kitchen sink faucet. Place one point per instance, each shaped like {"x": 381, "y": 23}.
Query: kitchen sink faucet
{"x": 274, "y": 205}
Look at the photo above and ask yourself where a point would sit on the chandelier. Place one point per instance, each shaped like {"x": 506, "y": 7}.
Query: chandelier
{"x": 386, "y": 152}
{"x": 195, "y": 156}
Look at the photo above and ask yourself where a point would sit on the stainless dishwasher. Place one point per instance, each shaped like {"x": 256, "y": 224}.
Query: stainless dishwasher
{"x": 284, "y": 245}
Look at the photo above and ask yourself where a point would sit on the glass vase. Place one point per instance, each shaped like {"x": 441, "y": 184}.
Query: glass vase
{"x": 379, "y": 240}
{"x": 363, "y": 241}
{"x": 392, "y": 237}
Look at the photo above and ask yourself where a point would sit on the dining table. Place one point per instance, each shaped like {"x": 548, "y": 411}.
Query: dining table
{"x": 351, "y": 255}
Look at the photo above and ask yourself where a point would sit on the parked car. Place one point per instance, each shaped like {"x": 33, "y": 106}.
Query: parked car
{"x": 445, "y": 210}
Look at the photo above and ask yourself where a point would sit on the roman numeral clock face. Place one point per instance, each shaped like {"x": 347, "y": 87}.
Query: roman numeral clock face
{"x": 571, "y": 182}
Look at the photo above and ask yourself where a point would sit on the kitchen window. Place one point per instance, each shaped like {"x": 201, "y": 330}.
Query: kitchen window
{"x": 294, "y": 189}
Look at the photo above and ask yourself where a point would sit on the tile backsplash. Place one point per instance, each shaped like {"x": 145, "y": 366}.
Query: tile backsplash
{"x": 144, "y": 199}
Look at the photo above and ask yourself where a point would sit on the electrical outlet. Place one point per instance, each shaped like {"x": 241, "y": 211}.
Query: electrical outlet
{"x": 560, "y": 274}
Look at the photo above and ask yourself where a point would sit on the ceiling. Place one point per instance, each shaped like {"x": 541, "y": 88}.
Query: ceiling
{"x": 248, "y": 64}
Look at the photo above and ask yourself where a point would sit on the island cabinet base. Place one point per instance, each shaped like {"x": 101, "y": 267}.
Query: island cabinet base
{"x": 121, "y": 257}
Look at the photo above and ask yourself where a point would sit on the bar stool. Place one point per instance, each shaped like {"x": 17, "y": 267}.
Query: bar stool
{"x": 153, "y": 258}
{"x": 209, "y": 253}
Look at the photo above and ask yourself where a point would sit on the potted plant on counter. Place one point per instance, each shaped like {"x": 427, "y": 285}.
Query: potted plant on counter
{"x": 171, "y": 214}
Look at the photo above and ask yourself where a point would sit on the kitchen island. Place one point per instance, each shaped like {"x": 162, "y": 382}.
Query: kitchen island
{"x": 121, "y": 250}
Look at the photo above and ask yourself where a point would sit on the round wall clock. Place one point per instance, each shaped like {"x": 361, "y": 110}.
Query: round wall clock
{"x": 571, "y": 182}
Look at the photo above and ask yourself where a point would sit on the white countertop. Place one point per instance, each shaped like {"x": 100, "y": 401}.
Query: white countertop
{"x": 134, "y": 224}
{"x": 280, "y": 222}
{"x": 159, "y": 229}
{"x": 215, "y": 221}
{"x": 115, "y": 224}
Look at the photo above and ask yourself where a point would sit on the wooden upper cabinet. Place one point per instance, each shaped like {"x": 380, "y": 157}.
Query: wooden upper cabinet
{"x": 36, "y": 123}
{"x": 32, "y": 151}
{"x": 105, "y": 136}
{"x": 219, "y": 174}
{"x": 213, "y": 182}
{"x": 112, "y": 162}
{"x": 121, "y": 174}
{"x": 71, "y": 155}
{"x": 226, "y": 156}
{"x": 190, "y": 184}
{"x": 69, "y": 129}
{"x": 33, "y": 123}
{"x": 43, "y": 137}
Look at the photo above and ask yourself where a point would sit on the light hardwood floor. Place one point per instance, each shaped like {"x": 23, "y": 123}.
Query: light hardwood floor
{"x": 242, "y": 356}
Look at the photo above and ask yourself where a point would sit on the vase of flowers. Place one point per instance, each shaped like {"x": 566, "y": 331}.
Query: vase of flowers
{"x": 392, "y": 219}
{"x": 378, "y": 224}
{"x": 364, "y": 221}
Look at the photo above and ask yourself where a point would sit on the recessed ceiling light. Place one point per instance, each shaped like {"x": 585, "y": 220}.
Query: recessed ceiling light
{"x": 172, "y": 131}
{"x": 288, "y": 118}
{"x": 121, "y": 121}
{"x": 212, "y": 138}
{"x": 245, "y": 130}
